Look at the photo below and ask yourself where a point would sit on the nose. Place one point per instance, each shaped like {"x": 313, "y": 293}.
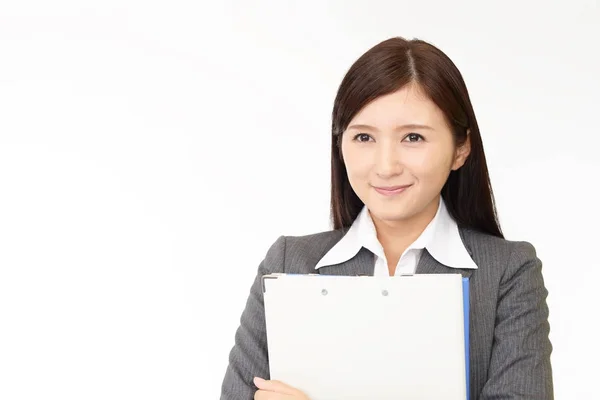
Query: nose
{"x": 388, "y": 162}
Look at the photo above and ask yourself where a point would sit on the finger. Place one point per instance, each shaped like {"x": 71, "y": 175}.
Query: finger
{"x": 262, "y": 395}
{"x": 266, "y": 395}
{"x": 275, "y": 386}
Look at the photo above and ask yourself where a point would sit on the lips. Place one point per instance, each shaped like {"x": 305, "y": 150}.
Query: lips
{"x": 391, "y": 190}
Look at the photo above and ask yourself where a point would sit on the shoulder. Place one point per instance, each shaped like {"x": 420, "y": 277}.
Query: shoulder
{"x": 299, "y": 254}
{"x": 491, "y": 245}
{"x": 501, "y": 255}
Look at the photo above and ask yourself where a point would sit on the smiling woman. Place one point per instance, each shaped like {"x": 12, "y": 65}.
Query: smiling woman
{"x": 397, "y": 167}
{"x": 410, "y": 193}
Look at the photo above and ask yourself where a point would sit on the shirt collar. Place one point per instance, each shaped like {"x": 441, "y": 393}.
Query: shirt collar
{"x": 441, "y": 238}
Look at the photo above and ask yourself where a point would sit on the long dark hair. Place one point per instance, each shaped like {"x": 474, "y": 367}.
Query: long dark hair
{"x": 386, "y": 68}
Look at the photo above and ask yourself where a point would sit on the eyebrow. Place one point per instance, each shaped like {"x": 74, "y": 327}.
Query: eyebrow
{"x": 399, "y": 127}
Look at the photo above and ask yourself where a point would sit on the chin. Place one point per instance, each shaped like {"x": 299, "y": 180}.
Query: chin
{"x": 387, "y": 214}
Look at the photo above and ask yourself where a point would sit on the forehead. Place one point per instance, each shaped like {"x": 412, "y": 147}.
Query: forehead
{"x": 408, "y": 105}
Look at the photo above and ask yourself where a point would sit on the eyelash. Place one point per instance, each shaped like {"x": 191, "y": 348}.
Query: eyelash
{"x": 420, "y": 137}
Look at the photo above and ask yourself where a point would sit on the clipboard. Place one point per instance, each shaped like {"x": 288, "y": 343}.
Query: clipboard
{"x": 365, "y": 337}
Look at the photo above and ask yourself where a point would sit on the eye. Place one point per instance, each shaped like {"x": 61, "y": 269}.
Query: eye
{"x": 414, "y": 137}
{"x": 362, "y": 137}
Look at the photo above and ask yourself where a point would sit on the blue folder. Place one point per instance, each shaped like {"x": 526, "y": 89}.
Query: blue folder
{"x": 466, "y": 312}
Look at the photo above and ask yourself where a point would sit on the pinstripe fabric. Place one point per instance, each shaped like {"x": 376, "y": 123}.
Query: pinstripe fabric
{"x": 510, "y": 349}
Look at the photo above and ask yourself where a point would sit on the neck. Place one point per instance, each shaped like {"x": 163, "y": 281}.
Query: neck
{"x": 395, "y": 236}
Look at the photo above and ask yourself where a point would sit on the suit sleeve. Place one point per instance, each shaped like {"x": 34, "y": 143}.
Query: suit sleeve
{"x": 248, "y": 357}
{"x": 520, "y": 361}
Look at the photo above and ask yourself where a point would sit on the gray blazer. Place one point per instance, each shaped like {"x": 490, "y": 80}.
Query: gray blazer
{"x": 509, "y": 345}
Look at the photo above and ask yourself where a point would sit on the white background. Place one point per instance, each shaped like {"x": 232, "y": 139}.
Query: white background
{"x": 150, "y": 151}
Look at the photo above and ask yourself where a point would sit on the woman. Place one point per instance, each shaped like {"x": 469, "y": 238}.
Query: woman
{"x": 411, "y": 194}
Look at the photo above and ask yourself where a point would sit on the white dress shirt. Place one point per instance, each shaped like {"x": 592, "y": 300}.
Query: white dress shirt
{"x": 441, "y": 238}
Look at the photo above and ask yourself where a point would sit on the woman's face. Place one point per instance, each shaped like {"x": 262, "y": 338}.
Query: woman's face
{"x": 398, "y": 152}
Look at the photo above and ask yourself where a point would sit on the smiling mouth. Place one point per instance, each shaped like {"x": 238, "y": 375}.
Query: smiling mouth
{"x": 391, "y": 190}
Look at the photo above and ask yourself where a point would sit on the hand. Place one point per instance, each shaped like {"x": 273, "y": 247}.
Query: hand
{"x": 275, "y": 390}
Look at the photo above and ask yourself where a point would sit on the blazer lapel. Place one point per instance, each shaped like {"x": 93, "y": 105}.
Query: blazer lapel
{"x": 363, "y": 263}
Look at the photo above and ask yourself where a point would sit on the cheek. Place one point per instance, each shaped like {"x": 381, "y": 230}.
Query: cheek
{"x": 357, "y": 164}
{"x": 432, "y": 167}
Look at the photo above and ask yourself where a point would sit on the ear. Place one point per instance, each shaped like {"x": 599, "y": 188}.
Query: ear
{"x": 462, "y": 153}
